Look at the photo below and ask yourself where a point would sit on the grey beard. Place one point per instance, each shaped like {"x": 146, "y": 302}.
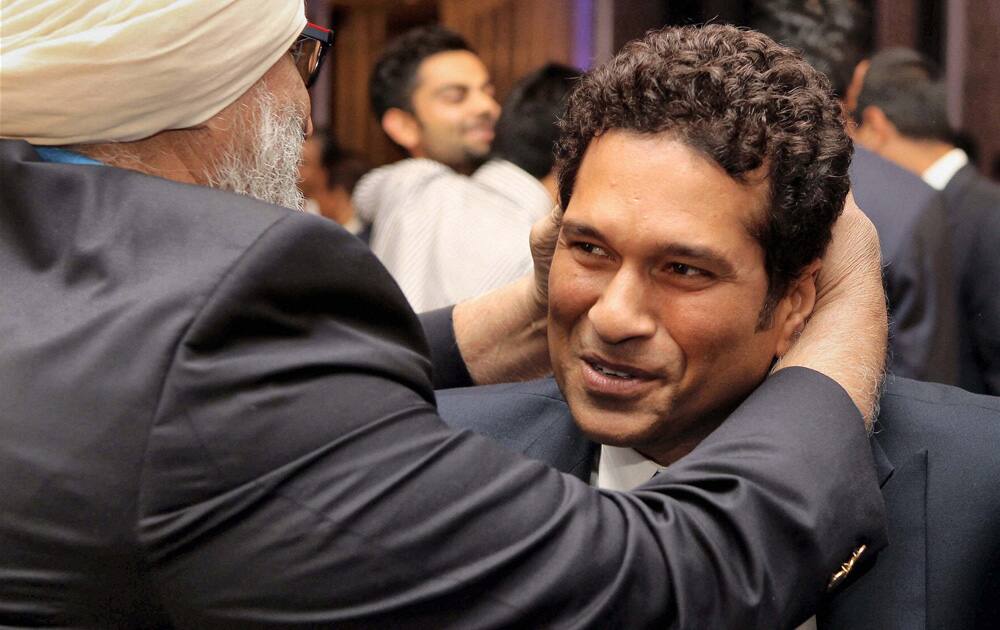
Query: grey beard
{"x": 269, "y": 171}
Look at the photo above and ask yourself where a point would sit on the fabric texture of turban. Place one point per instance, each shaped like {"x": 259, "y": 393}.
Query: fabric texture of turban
{"x": 85, "y": 71}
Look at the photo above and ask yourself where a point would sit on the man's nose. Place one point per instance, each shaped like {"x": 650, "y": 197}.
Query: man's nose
{"x": 621, "y": 312}
{"x": 484, "y": 104}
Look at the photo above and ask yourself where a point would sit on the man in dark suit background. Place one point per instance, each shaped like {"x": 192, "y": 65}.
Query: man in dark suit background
{"x": 218, "y": 412}
{"x": 908, "y": 214}
{"x": 902, "y": 116}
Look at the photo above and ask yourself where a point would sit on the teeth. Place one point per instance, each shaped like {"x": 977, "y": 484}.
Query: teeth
{"x": 604, "y": 370}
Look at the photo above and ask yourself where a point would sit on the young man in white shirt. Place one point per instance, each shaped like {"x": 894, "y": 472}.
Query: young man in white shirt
{"x": 445, "y": 236}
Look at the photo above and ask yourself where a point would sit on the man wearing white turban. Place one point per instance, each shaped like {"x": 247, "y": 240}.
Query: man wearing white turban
{"x": 219, "y": 412}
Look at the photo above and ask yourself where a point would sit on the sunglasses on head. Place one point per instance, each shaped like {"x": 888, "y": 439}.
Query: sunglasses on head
{"x": 309, "y": 50}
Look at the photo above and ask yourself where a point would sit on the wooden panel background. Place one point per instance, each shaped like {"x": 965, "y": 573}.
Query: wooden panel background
{"x": 513, "y": 37}
{"x": 981, "y": 90}
{"x": 516, "y": 36}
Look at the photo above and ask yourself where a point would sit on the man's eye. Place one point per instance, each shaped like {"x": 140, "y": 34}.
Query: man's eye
{"x": 455, "y": 95}
{"x": 591, "y": 249}
{"x": 686, "y": 270}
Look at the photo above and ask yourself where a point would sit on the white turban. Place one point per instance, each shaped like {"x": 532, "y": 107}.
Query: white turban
{"x": 84, "y": 71}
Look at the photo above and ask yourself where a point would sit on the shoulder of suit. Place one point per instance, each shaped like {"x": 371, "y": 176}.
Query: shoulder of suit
{"x": 939, "y": 415}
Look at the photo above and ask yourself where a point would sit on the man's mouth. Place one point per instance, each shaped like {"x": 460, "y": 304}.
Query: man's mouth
{"x": 609, "y": 372}
{"x": 607, "y": 378}
{"x": 480, "y": 132}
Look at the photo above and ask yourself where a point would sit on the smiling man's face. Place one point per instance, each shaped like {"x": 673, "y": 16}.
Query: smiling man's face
{"x": 655, "y": 294}
{"x": 454, "y": 108}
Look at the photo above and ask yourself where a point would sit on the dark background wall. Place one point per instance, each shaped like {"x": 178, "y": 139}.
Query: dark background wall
{"x": 516, "y": 36}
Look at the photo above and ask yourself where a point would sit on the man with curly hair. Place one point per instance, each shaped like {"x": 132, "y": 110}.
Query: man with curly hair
{"x": 701, "y": 172}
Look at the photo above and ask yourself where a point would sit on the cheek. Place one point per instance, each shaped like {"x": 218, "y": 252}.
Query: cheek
{"x": 713, "y": 329}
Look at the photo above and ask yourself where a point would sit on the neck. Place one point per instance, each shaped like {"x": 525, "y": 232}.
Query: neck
{"x": 667, "y": 451}
{"x": 915, "y": 155}
{"x": 462, "y": 168}
{"x": 181, "y": 155}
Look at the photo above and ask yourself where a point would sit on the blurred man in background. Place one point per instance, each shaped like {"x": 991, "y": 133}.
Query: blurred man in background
{"x": 433, "y": 96}
{"x": 902, "y": 116}
{"x": 327, "y": 177}
{"x": 908, "y": 214}
{"x": 446, "y": 237}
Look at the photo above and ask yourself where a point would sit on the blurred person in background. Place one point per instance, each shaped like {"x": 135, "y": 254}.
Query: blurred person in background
{"x": 902, "y": 116}
{"x": 327, "y": 177}
{"x": 446, "y": 237}
{"x": 218, "y": 411}
{"x": 434, "y": 97}
{"x": 908, "y": 214}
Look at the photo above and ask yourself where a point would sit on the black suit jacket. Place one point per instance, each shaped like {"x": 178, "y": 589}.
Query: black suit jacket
{"x": 973, "y": 204}
{"x": 917, "y": 259}
{"x": 940, "y": 475}
{"x": 219, "y": 413}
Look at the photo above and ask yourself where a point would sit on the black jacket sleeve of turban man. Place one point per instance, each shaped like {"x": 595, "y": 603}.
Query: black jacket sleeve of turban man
{"x": 238, "y": 425}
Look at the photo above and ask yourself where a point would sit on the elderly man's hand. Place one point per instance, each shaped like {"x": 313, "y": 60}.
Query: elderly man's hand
{"x": 847, "y": 334}
{"x": 544, "y": 234}
{"x": 502, "y": 334}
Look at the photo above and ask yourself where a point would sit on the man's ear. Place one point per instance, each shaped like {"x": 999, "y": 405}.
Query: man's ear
{"x": 402, "y": 128}
{"x": 796, "y": 307}
{"x": 854, "y": 87}
{"x": 876, "y": 130}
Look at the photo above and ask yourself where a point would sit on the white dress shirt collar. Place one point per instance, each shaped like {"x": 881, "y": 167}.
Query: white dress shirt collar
{"x": 941, "y": 171}
{"x": 621, "y": 468}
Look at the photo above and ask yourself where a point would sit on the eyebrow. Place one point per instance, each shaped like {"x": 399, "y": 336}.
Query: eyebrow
{"x": 463, "y": 86}
{"x": 719, "y": 262}
{"x": 451, "y": 86}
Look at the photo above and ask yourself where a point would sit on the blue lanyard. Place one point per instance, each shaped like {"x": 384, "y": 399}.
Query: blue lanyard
{"x": 52, "y": 154}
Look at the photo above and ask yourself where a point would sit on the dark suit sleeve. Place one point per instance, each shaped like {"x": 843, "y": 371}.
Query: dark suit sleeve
{"x": 449, "y": 366}
{"x": 297, "y": 474}
{"x": 924, "y": 309}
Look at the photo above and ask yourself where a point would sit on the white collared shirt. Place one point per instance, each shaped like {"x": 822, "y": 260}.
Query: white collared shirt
{"x": 622, "y": 468}
{"x": 944, "y": 168}
{"x": 446, "y": 237}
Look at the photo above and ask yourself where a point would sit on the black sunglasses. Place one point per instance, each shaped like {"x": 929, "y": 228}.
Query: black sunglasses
{"x": 309, "y": 50}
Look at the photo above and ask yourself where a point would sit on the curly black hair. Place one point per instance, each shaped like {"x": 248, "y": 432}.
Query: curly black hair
{"x": 395, "y": 73}
{"x": 743, "y": 101}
